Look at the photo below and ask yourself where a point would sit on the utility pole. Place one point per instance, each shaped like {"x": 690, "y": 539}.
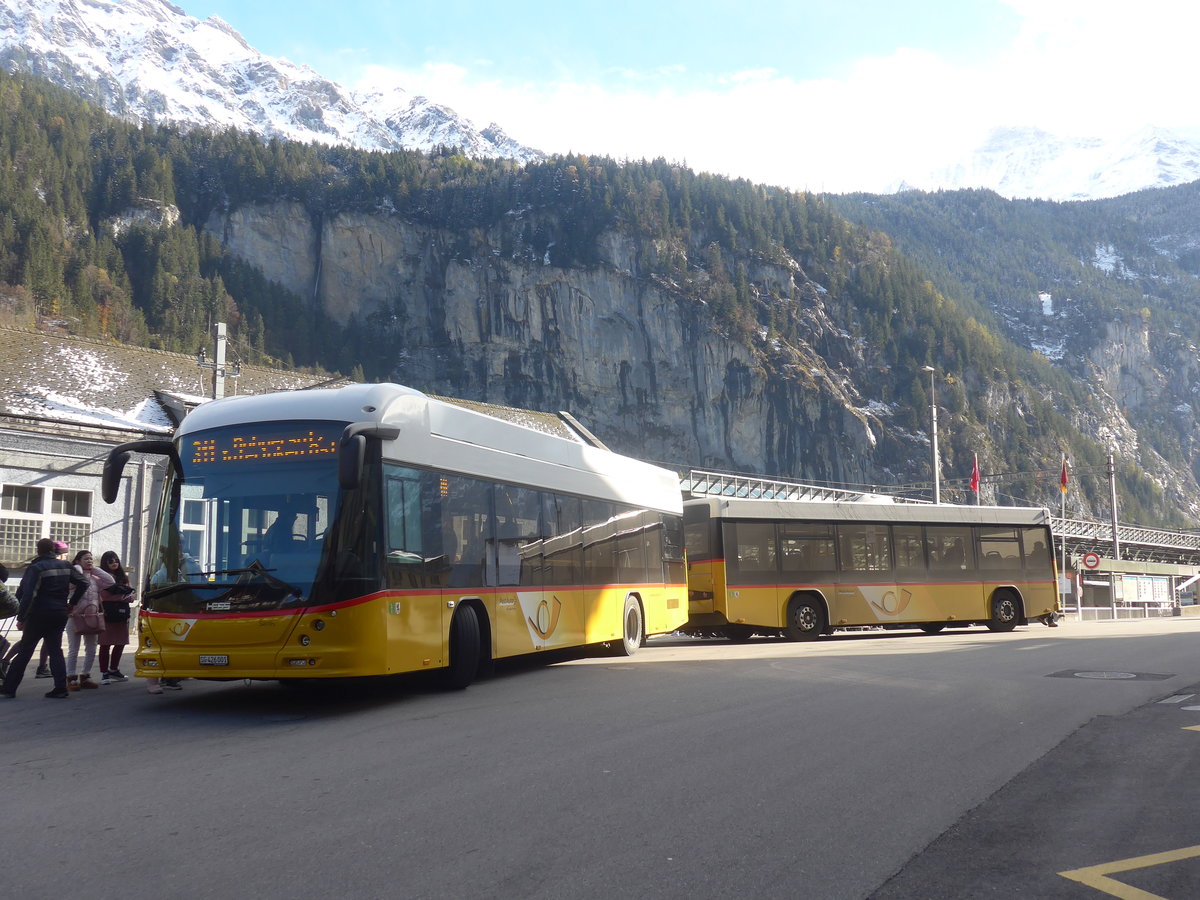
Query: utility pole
{"x": 1112, "y": 489}
{"x": 937, "y": 474}
{"x": 220, "y": 372}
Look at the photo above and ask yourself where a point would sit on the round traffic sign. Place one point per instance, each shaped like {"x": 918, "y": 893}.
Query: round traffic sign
{"x": 1091, "y": 560}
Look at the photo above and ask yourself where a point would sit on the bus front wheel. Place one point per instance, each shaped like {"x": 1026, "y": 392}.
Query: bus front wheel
{"x": 805, "y": 619}
{"x": 633, "y": 628}
{"x": 464, "y": 648}
{"x": 1005, "y": 612}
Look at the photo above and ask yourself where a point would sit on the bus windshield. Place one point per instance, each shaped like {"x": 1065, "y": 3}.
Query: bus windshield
{"x": 250, "y": 525}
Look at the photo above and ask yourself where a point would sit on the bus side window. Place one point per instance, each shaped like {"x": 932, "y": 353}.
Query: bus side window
{"x": 755, "y": 542}
{"x": 807, "y": 547}
{"x": 910, "y": 548}
{"x": 951, "y": 548}
{"x": 1000, "y": 548}
{"x": 1037, "y": 552}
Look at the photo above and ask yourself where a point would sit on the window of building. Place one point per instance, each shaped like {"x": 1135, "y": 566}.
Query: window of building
{"x": 27, "y": 517}
{"x": 19, "y": 498}
{"x": 71, "y": 503}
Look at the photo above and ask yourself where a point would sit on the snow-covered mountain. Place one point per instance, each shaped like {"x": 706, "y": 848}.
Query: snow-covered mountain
{"x": 1027, "y": 162}
{"x": 149, "y": 60}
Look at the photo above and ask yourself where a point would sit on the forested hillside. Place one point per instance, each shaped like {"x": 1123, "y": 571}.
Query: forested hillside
{"x": 1120, "y": 285}
{"x": 822, "y": 326}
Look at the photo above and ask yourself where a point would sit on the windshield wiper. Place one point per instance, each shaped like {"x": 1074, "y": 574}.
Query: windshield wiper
{"x": 181, "y": 586}
{"x": 253, "y": 567}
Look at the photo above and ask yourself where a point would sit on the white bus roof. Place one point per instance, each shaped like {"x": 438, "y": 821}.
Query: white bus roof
{"x": 854, "y": 511}
{"x": 449, "y": 438}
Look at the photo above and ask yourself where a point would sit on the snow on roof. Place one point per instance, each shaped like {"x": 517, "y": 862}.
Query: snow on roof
{"x": 84, "y": 381}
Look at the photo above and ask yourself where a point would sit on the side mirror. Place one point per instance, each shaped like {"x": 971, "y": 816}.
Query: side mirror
{"x": 114, "y": 466}
{"x": 352, "y": 455}
{"x": 352, "y": 450}
{"x": 110, "y": 481}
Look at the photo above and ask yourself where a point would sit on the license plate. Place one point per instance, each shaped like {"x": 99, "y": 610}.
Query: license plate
{"x": 212, "y": 660}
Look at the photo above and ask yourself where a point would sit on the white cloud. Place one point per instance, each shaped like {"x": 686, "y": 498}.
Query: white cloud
{"x": 1084, "y": 67}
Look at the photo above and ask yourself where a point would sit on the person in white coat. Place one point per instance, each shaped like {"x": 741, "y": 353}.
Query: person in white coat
{"x": 98, "y": 580}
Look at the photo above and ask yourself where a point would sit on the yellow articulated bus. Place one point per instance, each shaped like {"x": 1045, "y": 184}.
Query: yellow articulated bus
{"x": 802, "y": 569}
{"x": 372, "y": 530}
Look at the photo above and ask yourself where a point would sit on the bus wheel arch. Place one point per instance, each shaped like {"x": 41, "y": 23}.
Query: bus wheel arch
{"x": 1006, "y": 610}
{"x": 806, "y": 617}
{"x": 466, "y": 646}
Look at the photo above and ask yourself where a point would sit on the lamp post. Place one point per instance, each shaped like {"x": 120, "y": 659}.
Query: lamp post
{"x": 937, "y": 468}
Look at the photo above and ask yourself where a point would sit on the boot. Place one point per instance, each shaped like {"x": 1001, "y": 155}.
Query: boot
{"x": 72, "y": 682}
{"x": 85, "y": 681}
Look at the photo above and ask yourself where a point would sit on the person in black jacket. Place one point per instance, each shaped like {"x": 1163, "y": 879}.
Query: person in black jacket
{"x": 44, "y": 594}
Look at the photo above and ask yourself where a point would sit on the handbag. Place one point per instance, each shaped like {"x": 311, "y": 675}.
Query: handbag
{"x": 116, "y": 610}
{"x": 87, "y": 616}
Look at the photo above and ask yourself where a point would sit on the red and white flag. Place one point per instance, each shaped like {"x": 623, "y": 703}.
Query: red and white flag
{"x": 975, "y": 475}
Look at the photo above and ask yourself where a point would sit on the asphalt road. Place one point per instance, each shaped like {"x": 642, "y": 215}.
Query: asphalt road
{"x": 894, "y": 765}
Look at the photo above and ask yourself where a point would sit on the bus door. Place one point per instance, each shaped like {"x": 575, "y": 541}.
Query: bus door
{"x": 867, "y": 592}
{"x": 525, "y": 618}
{"x": 416, "y": 568}
{"x": 954, "y": 573}
{"x": 752, "y": 593}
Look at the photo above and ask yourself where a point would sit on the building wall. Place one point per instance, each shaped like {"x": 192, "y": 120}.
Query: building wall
{"x": 44, "y": 463}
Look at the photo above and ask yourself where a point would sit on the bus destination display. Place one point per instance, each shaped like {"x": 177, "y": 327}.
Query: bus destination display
{"x": 259, "y": 444}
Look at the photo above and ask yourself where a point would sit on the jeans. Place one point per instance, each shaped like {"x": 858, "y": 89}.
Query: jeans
{"x": 47, "y": 627}
{"x": 89, "y": 654}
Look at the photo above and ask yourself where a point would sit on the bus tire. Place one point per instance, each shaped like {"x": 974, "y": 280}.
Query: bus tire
{"x": 464, "y": 648}
{"x": 805, "y": 619}
{"x": 1006, "y": 612}
{"x": 633, "y": 628}
{"x": 933, "y": 627}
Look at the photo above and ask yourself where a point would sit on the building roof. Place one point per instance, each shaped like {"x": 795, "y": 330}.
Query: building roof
{"x": 47, "y": 377}
{"x": 50, "y": 379}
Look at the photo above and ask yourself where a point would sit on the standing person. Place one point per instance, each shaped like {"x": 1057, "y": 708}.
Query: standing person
{"x": 43, "y": 669}
{"x": 79, "y": 626}
{"x": 116, "y": 600}
{"x": 46, "y": 587}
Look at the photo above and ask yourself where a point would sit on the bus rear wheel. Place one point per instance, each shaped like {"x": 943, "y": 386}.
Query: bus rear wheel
{"x": 805, "y": 619}
{"x": 464, "y": 648}
{"x": 633, "y": 628}
{"x": 1005, "y": 612}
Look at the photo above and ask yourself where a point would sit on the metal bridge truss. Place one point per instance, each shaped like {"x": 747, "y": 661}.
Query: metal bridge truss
{"x": 1137, "y": 543}
{"x": 699, "y": 483}
{"x": 1082, "y": 536}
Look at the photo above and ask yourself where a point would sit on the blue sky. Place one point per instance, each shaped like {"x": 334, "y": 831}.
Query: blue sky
{"x": 824, "y": 95}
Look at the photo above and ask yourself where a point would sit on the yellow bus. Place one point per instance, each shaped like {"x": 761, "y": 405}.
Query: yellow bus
{"x": 801, "y": 569}
{"x": 372, "y": 530}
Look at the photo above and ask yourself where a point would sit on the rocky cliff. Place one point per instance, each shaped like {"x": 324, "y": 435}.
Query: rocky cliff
{"x": 635, "y": 358}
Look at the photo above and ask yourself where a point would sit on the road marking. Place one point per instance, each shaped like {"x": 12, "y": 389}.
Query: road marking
{"x": 1190, "y": 708}
{"x": 1192, "y": 728}
{"x": 1178, "y": 698}
{"x": 1097, "y": 876}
